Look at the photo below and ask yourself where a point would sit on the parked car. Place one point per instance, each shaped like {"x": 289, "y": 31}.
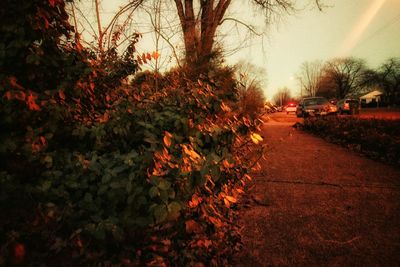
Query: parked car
{"x": 315, "y": 106}
{"x": 348, "y": 105}
{"x": 291, "y": 107}
{"x": 269, "y": 107}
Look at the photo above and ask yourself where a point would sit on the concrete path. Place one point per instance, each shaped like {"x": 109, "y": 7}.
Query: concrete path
{"x": 318, "y": 204}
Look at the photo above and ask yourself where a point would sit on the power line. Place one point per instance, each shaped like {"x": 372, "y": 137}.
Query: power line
{"x": 394, "y": 20}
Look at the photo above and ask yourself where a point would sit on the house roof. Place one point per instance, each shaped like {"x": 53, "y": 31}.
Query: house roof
{"x": 372, "y": 94}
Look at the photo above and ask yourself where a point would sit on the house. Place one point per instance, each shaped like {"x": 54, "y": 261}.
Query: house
{"x": 372, "y": 99}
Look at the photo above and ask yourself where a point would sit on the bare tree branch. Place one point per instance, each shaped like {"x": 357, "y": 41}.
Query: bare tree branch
{"x": 249, "y": 27}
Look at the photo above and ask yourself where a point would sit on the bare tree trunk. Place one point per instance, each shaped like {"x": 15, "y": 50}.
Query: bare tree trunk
{"x": 199, "y": 32}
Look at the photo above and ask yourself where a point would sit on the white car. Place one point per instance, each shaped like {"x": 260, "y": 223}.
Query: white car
{"x": 291, "y": 107}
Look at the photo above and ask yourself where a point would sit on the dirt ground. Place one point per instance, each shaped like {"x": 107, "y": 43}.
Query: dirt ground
{"x": 318, "y": 204}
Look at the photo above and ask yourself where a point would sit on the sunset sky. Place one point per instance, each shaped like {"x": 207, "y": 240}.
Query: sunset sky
{"x": 367, "y": 29}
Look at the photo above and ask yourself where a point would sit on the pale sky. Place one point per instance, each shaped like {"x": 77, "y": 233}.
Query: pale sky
{"x": 367, "y": 29}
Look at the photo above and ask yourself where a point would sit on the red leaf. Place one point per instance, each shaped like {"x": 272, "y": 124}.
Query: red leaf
{"x": 20, "y": 96}
{"x": 196, "y": 200}
{"x": 144, "y": 58}
{"x": 61, "y": 94}
{"x": 14, "y": 83}
{"x": 19, "y": 252}
{"x": 193, "y": 227}
{"x": 8, "y": 95}
{"x": 30, "y": 101}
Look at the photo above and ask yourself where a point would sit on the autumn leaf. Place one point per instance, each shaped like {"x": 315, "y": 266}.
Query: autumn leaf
{"x": 61, "y": 94}
{"x": 190, "y": 152}
{"x": 52, "y": 3}
{"x": 227, "y": 164}
{"x": 139, "y": 59}
{"x": 248, "y": 177}
{"x": 167, "y": 139}
{"x": 196, "y": 200}
{"x": 32, "y": 103}
{"x": 231, "y": 199}
{"x": 79, "y": 243}
{"x": 256, "y": 138}
{"x": 227, "y": 203}
{"x": 20, "y": 96}
{"x": 217, "y": 222}
{"x": 239, "y": 190}
{"x": 14, "y": 83}
{"x": 8, "y": 95}
{"x": 203, "y": 243}
{"x": 144, "y": 58}
{"x": 225, "y": 107}
{"x": 155, "y": 55}
{"x": 19, "y": 252}
{"x": 257, "y": 167}
{"x": 192, "y": 226}
{"x": 246, "y": 121}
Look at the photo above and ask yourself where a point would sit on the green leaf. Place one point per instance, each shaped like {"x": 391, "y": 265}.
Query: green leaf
{"x": 174, "y": 209}
{"x": 120, "y": 169}
{"x": 150, "y": 140}
{"x": 129, "y": 187}
{"x": 48, "y": 160}
{"x": 154, "y": 192}
{"x": 102, "y": 189}
{"x": 106, "y": 178}
{"x": 33, "y": 59}
{"x": 143, "y": 221}
{"x": 117, "y": 233}
{"x": 99, "y": 233}
{"x": 130, "y": 199}
{"x": 164, "y": 196}
{"x": 117, "y": 184}
{"x": 215, "y": 172}
{"x": 164, "y": 185}
{"x": 171, "y": 194}
{"x": 46, "y": 185}
{"x": 160, "y": 213}
{"x": 88, "y": 197}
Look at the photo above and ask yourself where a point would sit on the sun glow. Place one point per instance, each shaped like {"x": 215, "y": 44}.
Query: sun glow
{"x": 354, "y": 36}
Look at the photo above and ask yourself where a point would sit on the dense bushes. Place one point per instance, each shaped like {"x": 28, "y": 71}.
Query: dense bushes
{"x": 97, "y": 171}
{"x": 376, "y": 138}
{"x": 151, "y": 160}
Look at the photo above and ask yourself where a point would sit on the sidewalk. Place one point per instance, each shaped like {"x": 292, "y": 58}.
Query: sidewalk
{"x": 318, "y": 204}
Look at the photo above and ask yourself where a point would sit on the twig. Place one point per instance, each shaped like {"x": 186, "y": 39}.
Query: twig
{"x": 336, "y": 241}
{"x": 343, "y": 242}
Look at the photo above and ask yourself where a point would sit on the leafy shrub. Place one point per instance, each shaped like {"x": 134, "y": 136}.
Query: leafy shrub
{"x": 168, "y": 162}
{"x": 94, "y": 171}
{"x": 375, "y": 138}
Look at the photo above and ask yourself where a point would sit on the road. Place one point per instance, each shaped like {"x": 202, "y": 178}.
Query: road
{"x": 318, "y": 204}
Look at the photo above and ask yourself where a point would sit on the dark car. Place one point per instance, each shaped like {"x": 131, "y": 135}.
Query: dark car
{"x": 315, "y": 106}
{"x": 349, "y": 106}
